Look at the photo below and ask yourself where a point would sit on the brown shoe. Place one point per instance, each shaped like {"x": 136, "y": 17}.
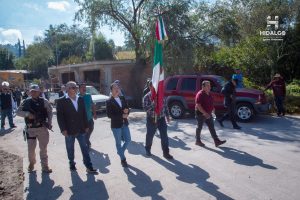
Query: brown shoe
{"x": 30, "y": 168}
{"x": 199, "y": 143}
{"x": 46, "y": 170}
{"x": 219, "y": 142}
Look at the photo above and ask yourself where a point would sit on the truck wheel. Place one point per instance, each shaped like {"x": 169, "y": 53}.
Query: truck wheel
{"x": 176, "y": 110}
{"x": 244, "y": 112}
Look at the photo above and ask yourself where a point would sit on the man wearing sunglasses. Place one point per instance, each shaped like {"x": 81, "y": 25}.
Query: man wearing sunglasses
{"x": 6, "y": 101}
{"x": 73, "y": 123}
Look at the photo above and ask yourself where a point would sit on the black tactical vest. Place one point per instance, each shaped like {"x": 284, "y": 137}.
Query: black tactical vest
{"x": 35, "y": 107}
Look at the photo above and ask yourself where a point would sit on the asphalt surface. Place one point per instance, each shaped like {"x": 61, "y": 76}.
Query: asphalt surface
{"x": 261, "y": 161}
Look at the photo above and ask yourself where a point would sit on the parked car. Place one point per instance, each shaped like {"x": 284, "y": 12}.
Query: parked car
{"x": 98, "y": 99}
{"x": 180, "y": 91}
{"x": 53, "y": 96}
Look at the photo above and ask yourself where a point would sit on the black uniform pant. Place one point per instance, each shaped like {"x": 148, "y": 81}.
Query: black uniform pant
{"x": 210, "y": 124}
{"x": 230, "y": 112}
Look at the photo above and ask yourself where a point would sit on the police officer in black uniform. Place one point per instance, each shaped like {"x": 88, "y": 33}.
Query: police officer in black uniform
{"x": 37, "y": 113}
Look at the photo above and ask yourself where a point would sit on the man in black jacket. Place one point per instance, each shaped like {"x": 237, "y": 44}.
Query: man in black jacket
{"x": 7, "y": 103}
{"x": 73, "y": 123}
{"x": 117, "y": 111}
{"x": 229, "y": 92}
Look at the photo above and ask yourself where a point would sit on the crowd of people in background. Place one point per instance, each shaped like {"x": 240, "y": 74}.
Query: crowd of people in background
{"x": 76, "y": 113}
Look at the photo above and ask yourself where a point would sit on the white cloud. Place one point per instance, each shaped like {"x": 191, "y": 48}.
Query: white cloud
{"x": 10, "y": 36}
{"x": 32, "y": 6}
{"x": 58, "y": 5}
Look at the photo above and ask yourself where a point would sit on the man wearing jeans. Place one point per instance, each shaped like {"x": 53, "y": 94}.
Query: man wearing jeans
{"x": 152, "y": 124}
{"x": 73, "y": 123}
{"x": 118, "y": 111}
{"x": 90, "y": 109}
{"x": 7, "y": 103}
{"x": 204, "y": 108}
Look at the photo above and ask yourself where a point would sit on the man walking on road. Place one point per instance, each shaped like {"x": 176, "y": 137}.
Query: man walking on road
{"x": 37, "y": 113}
{"x": 204, "y": 108}
{"x": 73, "y": 123}
{"x": 152, "y": 125}
{"x": 117, "y": 110}
{"x": 90, "y": 110}
{"x": 229, "y": 92}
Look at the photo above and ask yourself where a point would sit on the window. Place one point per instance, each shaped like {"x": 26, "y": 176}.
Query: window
{"x": 213, "y": 87}
{"x": 188, "y": 84}
{"x": 172, "y": 84}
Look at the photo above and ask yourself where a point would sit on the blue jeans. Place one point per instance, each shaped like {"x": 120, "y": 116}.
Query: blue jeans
{"x": 120, "y": 134}
{"x": 81, "y": 138}
{"x": 279, "y": 104}
{"x": 7, "y": 112}
{"x": 161, "y": 125}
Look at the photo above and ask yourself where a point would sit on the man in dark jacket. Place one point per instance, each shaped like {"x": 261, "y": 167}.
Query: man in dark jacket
{"x": 7, "y": 103}
{"x": 279, "y": 92}
{"x": 229, "y": 92}
{"x": 73, "y": 123}
{"x": 117, "y": 110}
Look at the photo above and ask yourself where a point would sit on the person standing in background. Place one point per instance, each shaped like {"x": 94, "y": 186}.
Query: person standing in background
{"x": 7, "y": 103}
{"x": 279, "y": 92}
{"x": 90, "y": 110}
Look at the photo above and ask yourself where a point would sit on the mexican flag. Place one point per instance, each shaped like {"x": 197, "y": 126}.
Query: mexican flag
{"x": 158, "y": 77}
{"x": 158, "y": 70}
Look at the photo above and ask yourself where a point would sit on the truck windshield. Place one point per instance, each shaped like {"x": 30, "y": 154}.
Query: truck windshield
{"x": 91, "y": 90}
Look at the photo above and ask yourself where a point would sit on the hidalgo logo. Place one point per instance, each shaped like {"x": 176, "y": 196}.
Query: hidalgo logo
{"x": 272, "y": 32}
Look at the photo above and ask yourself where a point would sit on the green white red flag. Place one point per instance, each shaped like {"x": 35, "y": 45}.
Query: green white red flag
{"x": 158, "y": 70}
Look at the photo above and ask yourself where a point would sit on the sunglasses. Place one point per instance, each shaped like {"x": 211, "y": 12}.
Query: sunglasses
{"x": 73, "y": 88}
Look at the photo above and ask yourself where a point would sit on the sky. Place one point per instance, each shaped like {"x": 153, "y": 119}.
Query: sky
{"x": 25, "y": 19}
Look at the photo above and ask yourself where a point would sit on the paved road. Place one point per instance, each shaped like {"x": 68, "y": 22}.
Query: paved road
{"x": 261, "y": 161}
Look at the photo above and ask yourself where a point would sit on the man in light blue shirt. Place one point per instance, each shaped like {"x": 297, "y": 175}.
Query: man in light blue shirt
{"x": 90, "y": 110}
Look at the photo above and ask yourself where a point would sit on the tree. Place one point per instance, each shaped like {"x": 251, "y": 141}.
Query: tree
{"x": 38, "y": 58}
{"x": 65, "y": 41}
{"x": 6, "y": 59}
{"x": 103, "y": 49}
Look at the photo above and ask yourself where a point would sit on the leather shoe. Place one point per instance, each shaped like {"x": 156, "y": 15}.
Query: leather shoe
{"x": 237, "y": 127}
{"x": 168, "y": 156}
{"x": 199, "y": 143}
{"x": 219, "y": 142}
{"x": 124, "y": 163}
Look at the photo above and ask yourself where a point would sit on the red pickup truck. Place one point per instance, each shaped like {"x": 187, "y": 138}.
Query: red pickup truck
{"x": 180, "y": 92}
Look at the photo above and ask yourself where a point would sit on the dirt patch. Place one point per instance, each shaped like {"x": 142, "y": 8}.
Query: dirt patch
{"x": 11, "y": 176}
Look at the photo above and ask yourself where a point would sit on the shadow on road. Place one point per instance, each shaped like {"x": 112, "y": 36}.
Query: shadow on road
{"x": 100, "y": 161}
{"x": 43, "y": 190}
{"x": 282, "y": 129}
{"x": 6, "y": 131}
{"x": 90, "y": 189}
{"x": 241, "y": 157}
{"x": 144, "y": 186}
{"x": 136, "y": 148}
{"x": 176, "y": 142}
{"x": 192, "y": 174}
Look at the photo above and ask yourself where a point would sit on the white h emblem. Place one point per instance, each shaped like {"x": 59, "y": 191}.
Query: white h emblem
{"x": 273, "y": 22}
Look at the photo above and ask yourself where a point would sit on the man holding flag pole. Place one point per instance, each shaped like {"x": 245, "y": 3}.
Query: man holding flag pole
{"x": 153, "y": 101}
